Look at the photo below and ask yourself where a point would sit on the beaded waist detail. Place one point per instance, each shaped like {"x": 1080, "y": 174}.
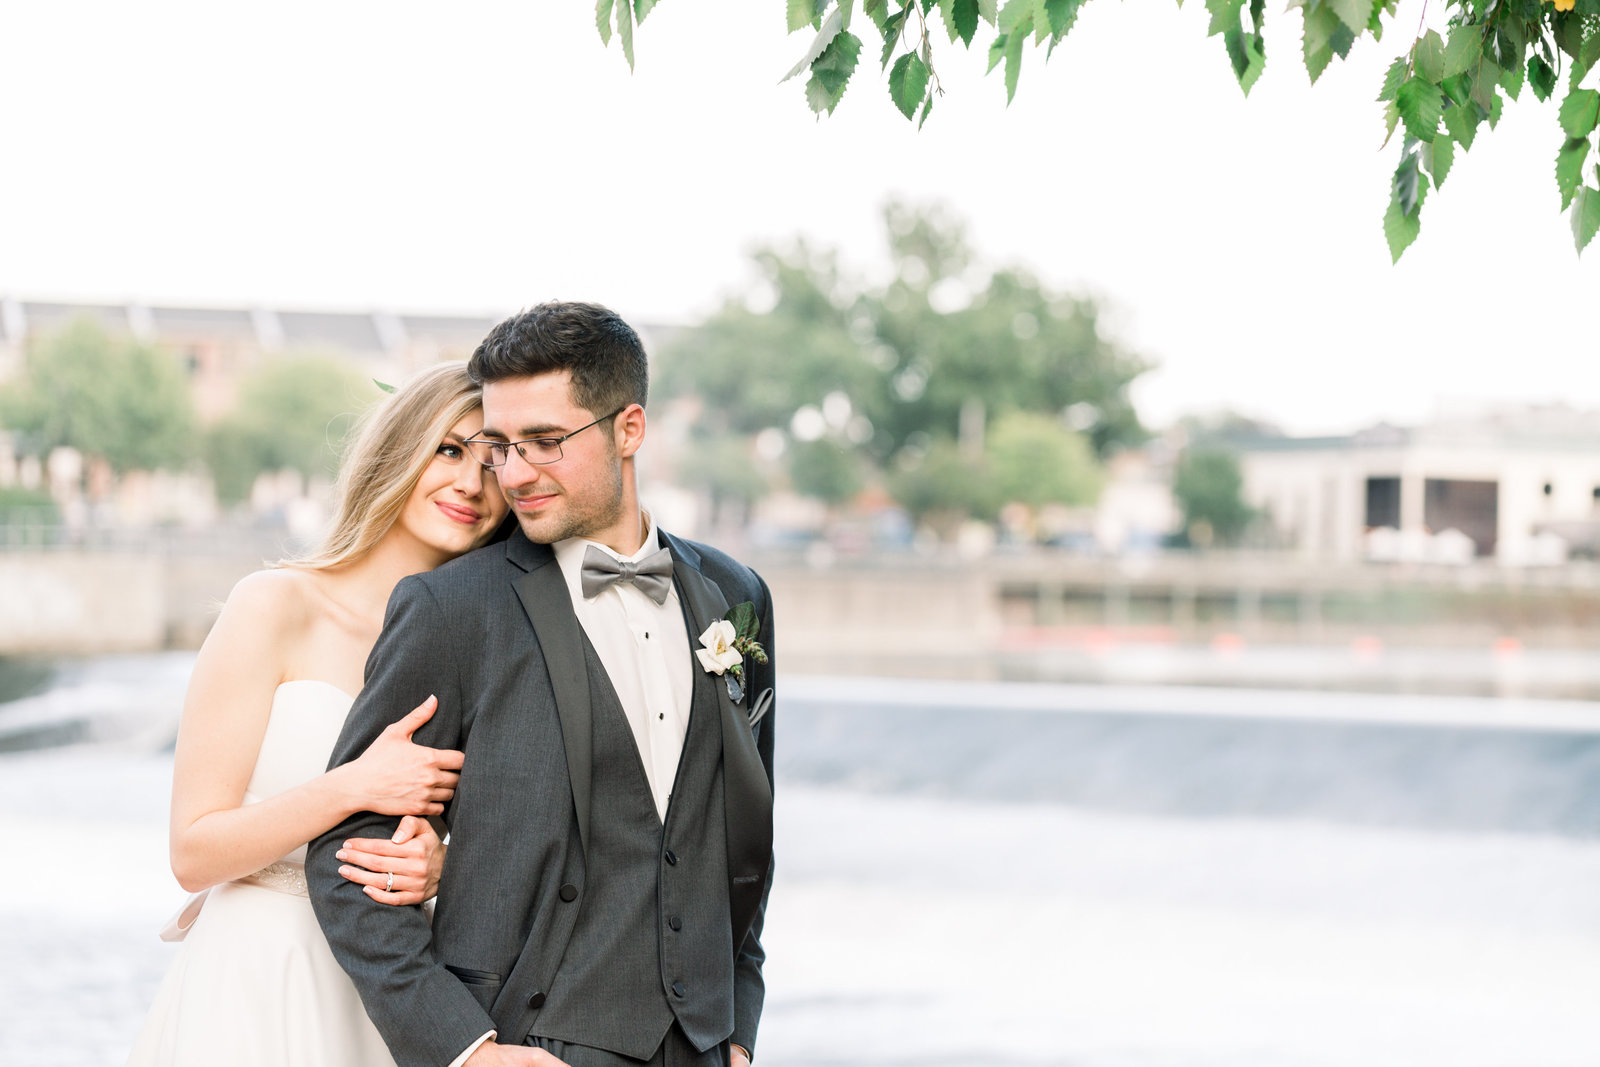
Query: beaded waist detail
{"x": 281, "y": 877}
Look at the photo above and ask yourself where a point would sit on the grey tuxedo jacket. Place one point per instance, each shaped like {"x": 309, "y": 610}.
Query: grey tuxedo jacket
{"x": 493, "y": 635}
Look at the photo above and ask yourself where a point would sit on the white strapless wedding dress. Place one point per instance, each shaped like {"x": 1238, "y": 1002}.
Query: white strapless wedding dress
{"x": 255, "y": 984}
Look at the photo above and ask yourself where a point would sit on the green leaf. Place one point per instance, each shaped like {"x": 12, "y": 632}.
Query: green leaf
{"x": 877, "y": 11}
{"x": 1012, "y": 15}
{"x": 1569, "y": 168}
{"x": 385, "y": 386}
{"x": 802, "y": 13}
{"x": 997, "y": 51}
{"x": 641, "y": 8}
{"x": 1511, "y": 81}
{"x": 1485, "y": 83}
{"x": 922, "y": 116}
{"x": 625, "y": 29}
{"x": 908, "y": 83}
{"x": 1462, "y": 122}
{"x": 1400, "y": 228}
{"x": 1403, "y": 187}
{"x": 1464, "y": 50}
{"x": 831, "y": 72}
{"x": 1247, "y": 52}
{"x": 1014, "y": 43}
{"x": 1458, "y": 89}
{"x": 602, "y": 20}
{"x": 1224, "y": 16}
{"x": 819, "y": 44}
{"x": 1060, "y": 15}
{"x": 1355, "y": 14}
{"x": 1585, "y": 216}
{"x": 743, "y": 617}
{"x": 1324, "y": 37}
{"x": 1580, "y": 111}
{"x": 1430, "y": 57}
{"x": 1588, "y": 52}
{"x": 891, "y": 34}
{"x": 1437, "y": 159}
{"x": 1494, "y": 111}
{"x": 1391, "y": 119}
{"x": 1421, "y": 106}
{"x": 965, "y": 13}
{"x": 986, "y": 11}
{"x": 1392, "y": 78}
{"x": 1541, "y": 78}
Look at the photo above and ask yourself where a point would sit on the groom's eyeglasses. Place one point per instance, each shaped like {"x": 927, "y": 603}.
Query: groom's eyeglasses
{"x": 535, "y": 450}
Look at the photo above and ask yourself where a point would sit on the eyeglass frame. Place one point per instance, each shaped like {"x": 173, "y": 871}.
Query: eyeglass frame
{"x": 556, "y": 442}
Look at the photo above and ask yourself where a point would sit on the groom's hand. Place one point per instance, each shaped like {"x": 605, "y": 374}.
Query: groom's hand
{"x": 490, "y": 1054}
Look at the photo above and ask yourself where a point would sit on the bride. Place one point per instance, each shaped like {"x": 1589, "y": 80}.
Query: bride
{"x": 254, "y": 982}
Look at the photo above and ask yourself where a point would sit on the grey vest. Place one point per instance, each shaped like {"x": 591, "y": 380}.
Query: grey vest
{"x": 652, "y": 939}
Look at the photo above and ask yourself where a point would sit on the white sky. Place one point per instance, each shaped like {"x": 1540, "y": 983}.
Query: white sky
{"x": 484, "y": 156}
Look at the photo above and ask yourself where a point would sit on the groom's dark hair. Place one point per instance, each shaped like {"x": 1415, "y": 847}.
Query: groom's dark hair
{"x": 603, "y": 353}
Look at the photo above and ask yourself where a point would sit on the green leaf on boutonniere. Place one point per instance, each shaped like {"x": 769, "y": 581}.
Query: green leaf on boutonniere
{"x": 746, "y": 625}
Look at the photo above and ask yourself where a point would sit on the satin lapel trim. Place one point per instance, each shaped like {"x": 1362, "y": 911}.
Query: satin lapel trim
{"x": 543, "y": 592}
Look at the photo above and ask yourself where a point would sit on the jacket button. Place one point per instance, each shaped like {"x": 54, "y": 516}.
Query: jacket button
{"x": 679, "y": 989}
{"x": 536, "y": 1001}
{"x": 569, "y": 892}
{"x": 675, "y": 922}
{"x": 672, "y": 858}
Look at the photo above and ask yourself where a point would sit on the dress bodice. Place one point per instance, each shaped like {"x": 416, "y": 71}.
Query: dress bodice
{"x": 302, "y": 728}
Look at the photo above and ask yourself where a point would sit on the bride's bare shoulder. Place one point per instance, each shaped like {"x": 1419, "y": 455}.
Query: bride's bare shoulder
{"x": 278, "y": 596}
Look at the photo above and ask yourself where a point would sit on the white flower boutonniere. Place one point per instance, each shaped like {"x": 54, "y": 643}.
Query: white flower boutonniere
{"x": 727, "y": 643}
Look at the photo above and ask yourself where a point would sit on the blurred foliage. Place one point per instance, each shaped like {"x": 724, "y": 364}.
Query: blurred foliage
{"x": 1443, "y": 89}
{"x": 1209, "y": 488}
{"x": 108, "y": 397}
{"x": 291, "y": 414}
{"x": 27, "y": 506}
{"x": 874, "y": 384}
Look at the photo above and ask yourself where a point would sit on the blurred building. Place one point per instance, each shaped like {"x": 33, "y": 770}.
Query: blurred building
{"x": 1519, "y": 485}
{"x": 220, "y": 346}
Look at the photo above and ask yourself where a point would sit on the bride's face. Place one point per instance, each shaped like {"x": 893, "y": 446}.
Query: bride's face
{"x": 456, "y": 504}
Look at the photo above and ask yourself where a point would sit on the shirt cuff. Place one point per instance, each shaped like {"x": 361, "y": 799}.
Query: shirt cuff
{"x": 467, "y": 1052}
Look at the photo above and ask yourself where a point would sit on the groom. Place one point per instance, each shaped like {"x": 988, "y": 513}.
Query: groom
{"x": 611, "y": 834}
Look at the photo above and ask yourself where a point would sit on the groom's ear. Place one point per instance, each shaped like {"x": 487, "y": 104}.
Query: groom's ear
{"x": 628, "y": 430}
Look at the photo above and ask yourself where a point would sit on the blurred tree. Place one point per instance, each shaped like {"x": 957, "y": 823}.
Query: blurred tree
{"x": 934, "y": 355}
{"x": 944, "y": 485}
{"x": 1039, "y": 461}
{"x": 1210, "y": 491}
{"x": 292, "y": 413}
{"x": 112, "y": 398}
{"x": 826, "y": 470}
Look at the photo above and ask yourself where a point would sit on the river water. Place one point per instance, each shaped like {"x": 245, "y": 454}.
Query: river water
{"x": 998, "y": 874}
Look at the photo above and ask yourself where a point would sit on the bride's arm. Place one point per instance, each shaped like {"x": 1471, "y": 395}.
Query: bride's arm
{"x": 214, "y": 838}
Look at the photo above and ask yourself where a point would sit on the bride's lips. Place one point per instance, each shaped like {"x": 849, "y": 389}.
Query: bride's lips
{"x": 464, "y": 515}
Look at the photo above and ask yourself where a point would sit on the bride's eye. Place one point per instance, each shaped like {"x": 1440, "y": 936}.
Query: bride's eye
{"x": 452, "y": 451}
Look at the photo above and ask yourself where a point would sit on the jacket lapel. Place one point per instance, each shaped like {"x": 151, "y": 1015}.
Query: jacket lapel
{"x": 544, "y": 596}
{"x": 747, "y": 792}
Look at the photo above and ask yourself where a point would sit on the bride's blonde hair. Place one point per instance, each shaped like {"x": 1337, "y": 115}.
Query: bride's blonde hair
{"x": 384, "y": 460}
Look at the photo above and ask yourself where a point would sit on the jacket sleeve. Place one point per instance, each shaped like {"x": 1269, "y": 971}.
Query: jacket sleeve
{"x": 424, "y": 1013}
{"x": 749, "y": 988}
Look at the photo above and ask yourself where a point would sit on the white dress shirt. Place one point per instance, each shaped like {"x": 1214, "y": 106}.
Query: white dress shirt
{"x": 644, "y": 647}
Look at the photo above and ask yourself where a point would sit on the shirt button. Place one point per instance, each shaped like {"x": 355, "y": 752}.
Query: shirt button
{"x": 679, "y": 989}
{"x": 536, "y": 1001}
{"x": 675, "y": 923}
{"x": 672, "y": 858}
{"x": 569, "y": 892}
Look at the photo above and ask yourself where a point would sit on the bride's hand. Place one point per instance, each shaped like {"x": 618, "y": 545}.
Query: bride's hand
{"x": 415, "y": 856}
{"x": 396, "y": 776}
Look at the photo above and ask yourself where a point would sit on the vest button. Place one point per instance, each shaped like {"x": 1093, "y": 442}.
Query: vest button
{"x": 569, "y": 892}
{"x": 536, "y": 1001}
{"x": 675, "y": 922}
{"x": 672, "y": 858}
{"x": 679, "y": 989}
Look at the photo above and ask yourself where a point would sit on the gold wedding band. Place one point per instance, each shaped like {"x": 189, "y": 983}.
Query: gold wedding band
{"x": 389, "y": 888}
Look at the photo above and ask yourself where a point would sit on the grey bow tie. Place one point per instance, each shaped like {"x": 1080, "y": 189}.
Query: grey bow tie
{"x": 652, "y": 575}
